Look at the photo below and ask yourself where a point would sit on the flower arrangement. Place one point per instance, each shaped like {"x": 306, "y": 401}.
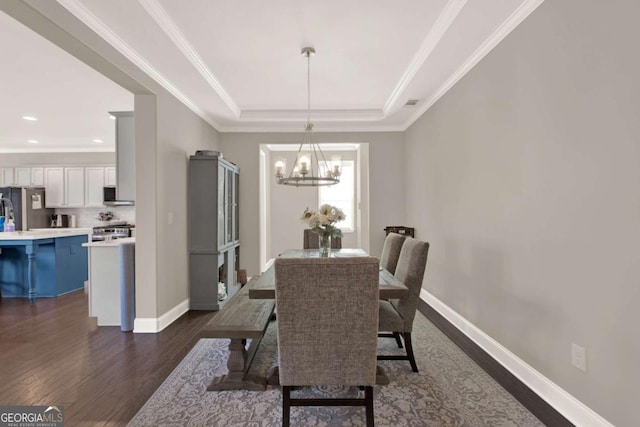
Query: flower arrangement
{"x": 322, "y": 222}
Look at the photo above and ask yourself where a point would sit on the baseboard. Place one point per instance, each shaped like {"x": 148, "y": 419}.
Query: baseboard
{"x": 543, "y": 398}
{"x": 156, "y": 324}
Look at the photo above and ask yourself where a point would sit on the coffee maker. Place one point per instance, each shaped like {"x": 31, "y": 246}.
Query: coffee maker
{"x": 59, "y": 221}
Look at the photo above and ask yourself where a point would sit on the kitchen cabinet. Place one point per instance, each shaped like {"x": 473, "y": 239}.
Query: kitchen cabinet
{"x": 110, "y": 176}
{"x": 125, "y": 155}
{"x": 37, "y": 177}
{"x": 214, "y": 243}
{"x": 94, "y": 182}
{"x": 28, "y": 177}
{"x": 64, "y": 187}
{"x": 6, "y": 177}
{"x": 54, "y": 187}
{"x": 74, "y": 187}
{"x": 22, "y": 177}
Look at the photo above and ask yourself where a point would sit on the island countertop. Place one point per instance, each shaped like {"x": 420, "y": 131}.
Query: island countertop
{"x": 44, "y": 233}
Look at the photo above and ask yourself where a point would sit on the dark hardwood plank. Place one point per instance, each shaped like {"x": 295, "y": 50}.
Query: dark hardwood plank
{"x": 51, "y": 352}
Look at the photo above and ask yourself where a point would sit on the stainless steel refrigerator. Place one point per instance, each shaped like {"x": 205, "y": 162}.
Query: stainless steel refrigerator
{"x": 28, "y": 207}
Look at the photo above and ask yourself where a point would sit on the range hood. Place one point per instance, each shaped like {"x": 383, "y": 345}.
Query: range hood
{"x": 125, "y": 159}
{"x": 120, "y": 203}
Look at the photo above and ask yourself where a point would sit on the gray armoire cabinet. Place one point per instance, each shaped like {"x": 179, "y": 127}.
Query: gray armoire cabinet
{"x": 214, "y": 244}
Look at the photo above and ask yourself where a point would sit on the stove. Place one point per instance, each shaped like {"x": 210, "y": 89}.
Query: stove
{"x": 108, "y": 232}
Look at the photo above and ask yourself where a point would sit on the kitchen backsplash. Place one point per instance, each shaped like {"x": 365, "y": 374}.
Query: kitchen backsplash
{"x": 88, "y": 217}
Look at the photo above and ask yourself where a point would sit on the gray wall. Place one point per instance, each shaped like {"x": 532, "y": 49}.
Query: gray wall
{"x": 524, "y": 178}
{"x": 386, "y": 182}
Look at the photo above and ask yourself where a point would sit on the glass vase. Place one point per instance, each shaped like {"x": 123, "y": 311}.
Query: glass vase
{"x": 325, "y": 245}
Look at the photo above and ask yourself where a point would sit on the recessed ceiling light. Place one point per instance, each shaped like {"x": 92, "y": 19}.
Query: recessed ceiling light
{"x": 99, "y": 141}
{"x": 30, "y": 118}
{"x": 112, "y": 117}
{"x": 32, "y": 141}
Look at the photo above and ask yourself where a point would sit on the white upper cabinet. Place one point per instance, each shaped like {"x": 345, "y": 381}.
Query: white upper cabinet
{"x": 6, "y": 177}
{"x": 74, "y": 187}
{"x": 23, "y": 177}
{"x": 66, "y": 186}
{"x": 37, "y": 177}
{"x": 93, "y": 186}
{"x": 54, "y": 187}
{"x": 110, "y": 176}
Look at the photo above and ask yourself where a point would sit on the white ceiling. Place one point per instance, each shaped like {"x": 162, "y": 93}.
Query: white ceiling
{"x": 237, "y": 64}
{"x": 70, "y": 100}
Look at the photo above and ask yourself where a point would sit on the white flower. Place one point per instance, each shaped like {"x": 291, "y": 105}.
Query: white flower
{"x": 322, "y": 221}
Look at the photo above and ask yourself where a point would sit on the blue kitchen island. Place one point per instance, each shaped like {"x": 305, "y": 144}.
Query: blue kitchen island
{"x": 44, "y": 263}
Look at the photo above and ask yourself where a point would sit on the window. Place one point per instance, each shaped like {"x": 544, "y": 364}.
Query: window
{"x": 342, "y": 195}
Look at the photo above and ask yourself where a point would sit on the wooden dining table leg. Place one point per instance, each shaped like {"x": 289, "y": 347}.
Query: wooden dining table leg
{"x": 238, "y": 363}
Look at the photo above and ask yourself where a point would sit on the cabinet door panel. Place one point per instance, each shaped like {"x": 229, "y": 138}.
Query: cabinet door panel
{"x": 6, "y": 176}
{"x": 221, "y": 208}
{"x": 37, "y": 177}
{"x": 110, "y": 176}
{"x": 23, "y": 177}
{"x": 94, "y": 184}
{"x": 74, "y": 186}
{"x": 54, "y": 187}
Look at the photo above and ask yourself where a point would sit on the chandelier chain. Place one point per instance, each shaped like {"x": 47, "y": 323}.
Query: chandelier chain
{"x": 308, "y": 87}
{"x": 309, "y": 172}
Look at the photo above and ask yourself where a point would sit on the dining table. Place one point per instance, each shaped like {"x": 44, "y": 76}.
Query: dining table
{"x": 265, "y": 286}
{"x": 246, "y": 317}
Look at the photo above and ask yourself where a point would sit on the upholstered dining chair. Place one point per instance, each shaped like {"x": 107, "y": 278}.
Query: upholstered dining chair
{"x": 327, "y": 328}
{"x": 312, "y": 241}
{"x": 396, "y": 315}
{"x": 391, "y": 251}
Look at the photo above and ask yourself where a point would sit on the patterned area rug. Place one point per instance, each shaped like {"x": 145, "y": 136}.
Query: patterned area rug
{"x": 449, "y": 390}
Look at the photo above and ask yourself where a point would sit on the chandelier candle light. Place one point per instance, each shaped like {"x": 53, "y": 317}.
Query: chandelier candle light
{"x": 310, "y": 169}
{"x": 322, "y": 223}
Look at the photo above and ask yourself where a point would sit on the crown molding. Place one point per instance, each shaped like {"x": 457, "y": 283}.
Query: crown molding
{"x": 343, "y": 117}
{"x": 166, "y": 24}
{"x": 336, "y": 115}
{"x": 90, "y": 20}
{"x": 299, "y": 128}
{"x": 487, "y": 46}
{"x": 442, "y": 24}
{"x": 32, "y": 150}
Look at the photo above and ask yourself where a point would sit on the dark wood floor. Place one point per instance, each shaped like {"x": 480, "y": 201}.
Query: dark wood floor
{"x": 52, "y": 353}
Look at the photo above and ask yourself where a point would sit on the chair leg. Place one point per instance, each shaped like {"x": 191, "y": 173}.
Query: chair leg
{"x": 407, "y": 343}
{"x": 398, "y": 340}
{"x": 286, "y": 405}
{"x": 368, "y": 397}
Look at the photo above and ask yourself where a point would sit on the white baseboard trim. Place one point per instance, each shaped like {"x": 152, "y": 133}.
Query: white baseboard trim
{"x": 152, "y": 325}
{"x": 567, "y": 405}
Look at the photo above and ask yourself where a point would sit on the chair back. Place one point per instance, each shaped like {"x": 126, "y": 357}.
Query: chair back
{"x": 327, "y": 320}
{"x": 391, "y": 251}
{"x": 312, "y": 240}
{"x": 410, "y": 271}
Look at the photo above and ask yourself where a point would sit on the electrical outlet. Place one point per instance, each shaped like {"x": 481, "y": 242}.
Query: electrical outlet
{"x": 170, "y": 218}
{"x": 579, "y": 357}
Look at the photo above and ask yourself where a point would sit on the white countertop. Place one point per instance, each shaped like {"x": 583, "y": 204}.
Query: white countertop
{"x": 109, "y": 243}
{"x": 44, "y": 233}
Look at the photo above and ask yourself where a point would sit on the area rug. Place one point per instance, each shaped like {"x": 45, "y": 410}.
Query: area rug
{"x": 449, "y": 390}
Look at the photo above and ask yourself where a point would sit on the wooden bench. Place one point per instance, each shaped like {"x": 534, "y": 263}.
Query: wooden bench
{"x": 240, "y": 319}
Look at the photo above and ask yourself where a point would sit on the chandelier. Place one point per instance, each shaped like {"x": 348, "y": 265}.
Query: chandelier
{"x": 310, "y": 168}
